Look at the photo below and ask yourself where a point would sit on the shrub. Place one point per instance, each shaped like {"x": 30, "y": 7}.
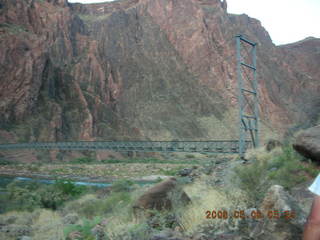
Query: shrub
{"x": 281, "y": 166}
{"x": 116, "y": 201}
{"x": 289, "y": 170}
{"x": 122, "y": 186}
{"x": 89, "y": 205}
{"x": 4, "y": 161}
{"x": 162, "y": 220}
{"x": 67, "y": 187}
{"x": 21, "y": 198}
{"x": 253, "y": 180}
{"x": 61, "y": 191}
{"x": 83, "y": 160}
{"x": 84, "y": 229}
{"x": 32, "y": 195}
{"x": 51, "y": 198}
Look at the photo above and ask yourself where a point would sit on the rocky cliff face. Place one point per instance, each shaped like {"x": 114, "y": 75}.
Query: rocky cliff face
{"x": 141, "y": 69}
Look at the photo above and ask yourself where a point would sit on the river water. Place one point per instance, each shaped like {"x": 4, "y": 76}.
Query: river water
{"x": 23, "y": 181}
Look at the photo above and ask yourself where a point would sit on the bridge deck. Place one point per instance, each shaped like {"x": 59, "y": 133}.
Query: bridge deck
{"x": 227, "y": 146}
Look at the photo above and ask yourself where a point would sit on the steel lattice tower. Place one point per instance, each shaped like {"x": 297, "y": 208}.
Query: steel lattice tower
{"x": 247, "y": 93}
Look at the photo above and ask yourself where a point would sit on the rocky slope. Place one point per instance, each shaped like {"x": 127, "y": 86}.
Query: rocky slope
{"x": 141, "y": 69}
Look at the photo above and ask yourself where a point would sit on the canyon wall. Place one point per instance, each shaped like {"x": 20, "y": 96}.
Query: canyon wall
{"x": 143, "y": 70}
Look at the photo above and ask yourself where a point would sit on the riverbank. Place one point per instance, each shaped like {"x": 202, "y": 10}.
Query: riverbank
{"x": 94, "y": 172}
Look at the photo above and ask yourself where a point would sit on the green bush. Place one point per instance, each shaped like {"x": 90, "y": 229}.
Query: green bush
{"x": 52, "y": 198}
{"x": 21, "y": 198}
{"x": 311, "y": 170}
{"x": 253, "y": 180}
{"x": 31, "y": 196}
{"x": 67, "y": 187}
{"x": 289, "y": 169}
{"x": 61, "y": 191}
{"x": 285, "y": 168}
{"x": 4, "y": 161}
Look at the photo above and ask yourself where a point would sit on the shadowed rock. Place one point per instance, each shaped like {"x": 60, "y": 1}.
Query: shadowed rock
{"x": 307, "y": 144}
{"x": 283, "y": 218}
{"x": 162, "y": 196}
{"x": 272, "y": 144}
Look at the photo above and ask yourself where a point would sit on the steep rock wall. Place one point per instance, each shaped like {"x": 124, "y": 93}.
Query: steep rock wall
{"x": 141, "y": 69}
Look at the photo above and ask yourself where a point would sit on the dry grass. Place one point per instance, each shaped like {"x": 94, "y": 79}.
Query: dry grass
{"x": 261, "y": 154}
{"x": 123, "y": 221}
{"x": 205, "y": 199}
{"x": 48, "y": 226}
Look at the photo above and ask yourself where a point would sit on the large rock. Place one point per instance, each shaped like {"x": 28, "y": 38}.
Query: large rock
{"x": 162, "y": 196}
{"x": 307, "y": 143}
{"x": 288, "y": 225}
{"x": 272, "y": 144}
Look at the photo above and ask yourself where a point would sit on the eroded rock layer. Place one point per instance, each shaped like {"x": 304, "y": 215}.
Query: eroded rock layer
{"x": 142, "y": 69}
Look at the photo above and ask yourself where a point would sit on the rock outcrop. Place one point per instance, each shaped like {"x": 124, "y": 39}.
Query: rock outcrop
{"x": 141, "y": 69}
{"x": 307, "y": 143}
{"x": 162, "y": 196}
{"x": 283, "y": 218}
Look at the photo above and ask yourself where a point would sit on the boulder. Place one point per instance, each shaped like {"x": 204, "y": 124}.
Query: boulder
{"x": 162, "y": 196}
{"x": 98, "y": 232}
{"x": 282, "y": 217}
{"x": 272, "y": 144}
{"x": 185, "y": 172}
{"x": 277, "y": 198}
{"x": 74, "y": 235}
{"x": 307, "y": 143}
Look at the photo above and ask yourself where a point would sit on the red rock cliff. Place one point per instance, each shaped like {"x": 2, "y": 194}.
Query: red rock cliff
{"x": 141, "y": 69}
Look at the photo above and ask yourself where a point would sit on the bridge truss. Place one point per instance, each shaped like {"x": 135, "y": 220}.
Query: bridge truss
{"x": 230, "y": 146}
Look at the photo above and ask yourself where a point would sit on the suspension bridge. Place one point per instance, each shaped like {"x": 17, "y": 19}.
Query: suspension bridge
{"x": 248, "y": 122}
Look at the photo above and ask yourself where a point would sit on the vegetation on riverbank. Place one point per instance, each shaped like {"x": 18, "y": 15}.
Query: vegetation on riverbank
{"x": 282, "y": 166}
{"x": 105, "y": 169}
{"x": 76, "y": 213}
